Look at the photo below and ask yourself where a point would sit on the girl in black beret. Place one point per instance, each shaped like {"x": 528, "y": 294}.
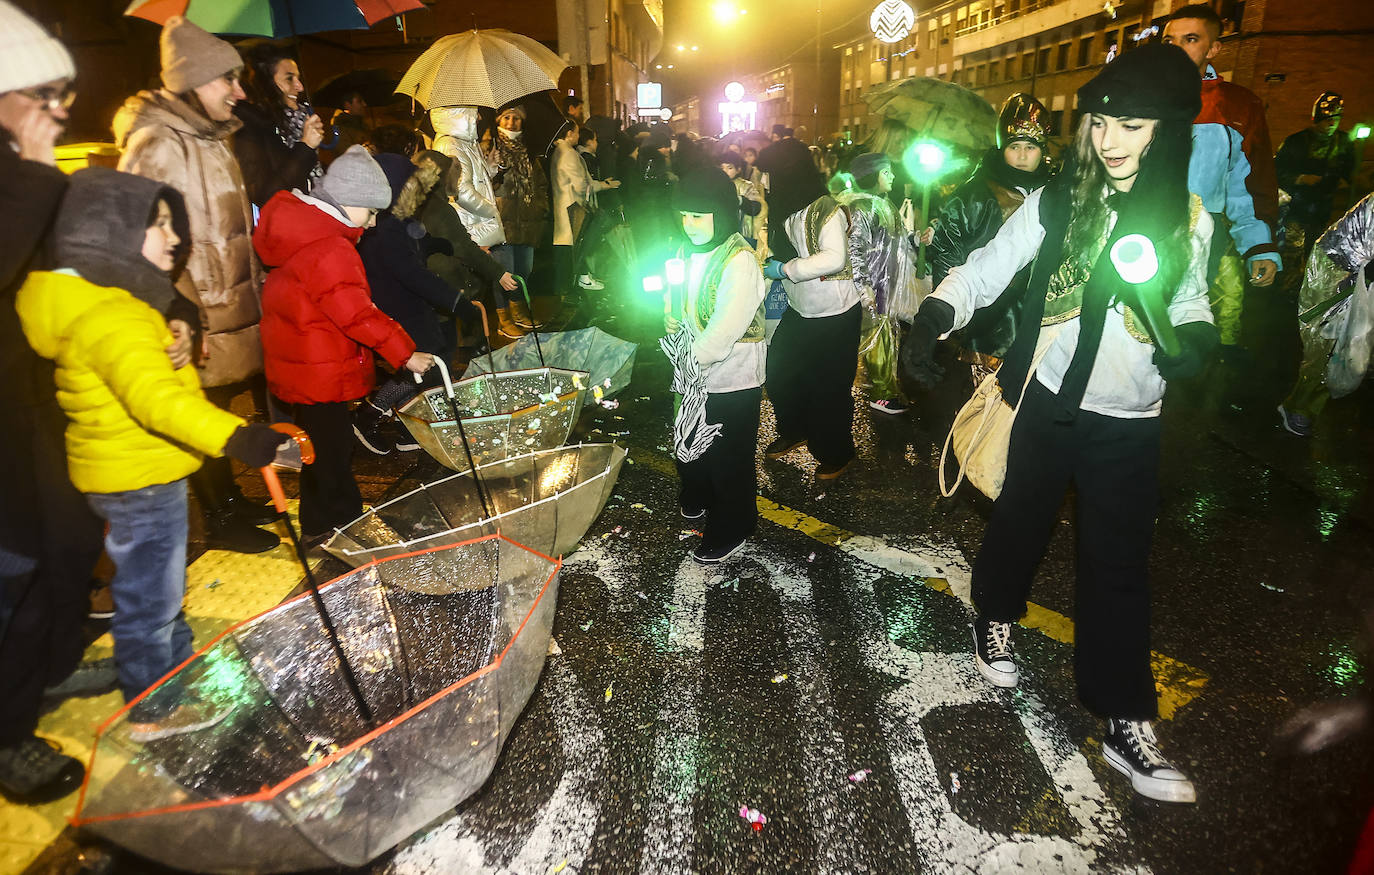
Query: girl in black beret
{"x": 1089, "y": 352}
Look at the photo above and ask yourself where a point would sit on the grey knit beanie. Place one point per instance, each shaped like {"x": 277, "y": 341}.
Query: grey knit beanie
{"x": 192, "y": 57}
{"x": 356, "y": 180}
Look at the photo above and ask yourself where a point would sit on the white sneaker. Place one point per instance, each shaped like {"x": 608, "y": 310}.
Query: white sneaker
{"x": 587, "y": 281}
{"x": 992, "y": 653}
{"x": 1130, "y": 747}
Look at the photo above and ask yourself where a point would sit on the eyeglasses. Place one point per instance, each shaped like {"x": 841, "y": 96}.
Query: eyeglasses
{"x": 51, "y": 98}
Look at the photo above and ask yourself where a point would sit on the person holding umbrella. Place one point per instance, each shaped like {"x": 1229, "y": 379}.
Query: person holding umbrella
{"x": 1100, "y": 337}
{"x": 276, "y": 146}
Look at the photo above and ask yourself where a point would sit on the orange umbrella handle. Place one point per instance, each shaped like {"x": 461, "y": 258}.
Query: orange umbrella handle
{"x": 269, "y": 476}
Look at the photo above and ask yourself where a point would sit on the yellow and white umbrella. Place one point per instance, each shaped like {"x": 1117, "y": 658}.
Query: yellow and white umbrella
{"x": 481, "y": 68}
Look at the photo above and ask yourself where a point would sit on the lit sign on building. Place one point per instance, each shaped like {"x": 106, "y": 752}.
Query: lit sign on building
{"x": 736, "y": 113}
{"x": 892, "y": 21}
{"x": 650, "y": 95}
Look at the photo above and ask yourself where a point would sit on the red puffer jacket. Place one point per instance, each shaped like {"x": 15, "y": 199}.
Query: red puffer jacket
{"x": 319, "y": 326}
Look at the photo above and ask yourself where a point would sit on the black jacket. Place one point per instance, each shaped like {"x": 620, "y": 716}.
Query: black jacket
{"x": 970, "y": 217}
{"x": 267, "y": 164}
{"x": 402, "y": 287}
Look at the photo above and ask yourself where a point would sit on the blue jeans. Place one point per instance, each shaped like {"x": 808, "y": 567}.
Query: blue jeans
{"x": 517, "y": 259}
{"x": 147, "y": 543}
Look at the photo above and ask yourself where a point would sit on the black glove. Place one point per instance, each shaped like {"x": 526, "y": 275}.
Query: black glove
{"x": 1196, "y": 340}
{"x": 916, "y": 360}
{"x": 254, "y": 444}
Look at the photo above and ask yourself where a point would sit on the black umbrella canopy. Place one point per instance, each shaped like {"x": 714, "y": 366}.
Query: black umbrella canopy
{"x": 377, "y": 86}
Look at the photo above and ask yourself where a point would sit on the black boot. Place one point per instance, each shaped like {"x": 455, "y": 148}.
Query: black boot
{"x": 33, "y": 772}
{"x": 225, "y": 529}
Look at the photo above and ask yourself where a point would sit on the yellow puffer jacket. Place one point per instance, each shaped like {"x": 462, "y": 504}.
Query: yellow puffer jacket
{"x": 133, "y": 421}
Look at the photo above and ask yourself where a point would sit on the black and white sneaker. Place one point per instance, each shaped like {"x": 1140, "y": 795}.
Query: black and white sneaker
{"x": 402, "y": 439}
{"x": 691, "y": 513}
{"x": 1130, "y": 747}
{"x": 717, "y": 554}
{"x": 992, "y": 652}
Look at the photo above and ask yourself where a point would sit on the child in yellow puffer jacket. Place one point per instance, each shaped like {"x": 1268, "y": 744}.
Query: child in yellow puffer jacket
{"x": 137, "y": 426}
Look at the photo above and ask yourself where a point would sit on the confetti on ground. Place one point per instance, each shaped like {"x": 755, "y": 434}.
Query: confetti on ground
{"x": 812, "y": 557}
{"x": 559, "y": 868}
{"x": 779, "y": 678}
{"x": 953, "y": 782}
{"x": 617, "y": 528}
{"x": 642, "y": 398}
{"x": 629, "y": 461}
{"x": 586, "y": 626}
{"x": 819, "y": 497}
{"x": 1268, "y": 586}
{"x": 641, "y": 595}
{"x": 732, "y": 583}
{"x": 554, "y": 649}
{"x": 212, "y": 584}
{"x": 860, "y": 775}
{"x": 610, "y": 691}
{"x": 610, "y": 405}
{"x": 685, "y": 534}
{"x": 755, "y": 818}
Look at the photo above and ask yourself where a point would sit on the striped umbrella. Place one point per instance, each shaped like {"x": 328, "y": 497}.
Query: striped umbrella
{"x": 273, "y": 18}
{"x": 481, "y": 68}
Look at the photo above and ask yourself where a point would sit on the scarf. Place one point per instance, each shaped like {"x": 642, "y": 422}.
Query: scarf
{"x": 692, "y": 434}
{"x": 293, "y": 123}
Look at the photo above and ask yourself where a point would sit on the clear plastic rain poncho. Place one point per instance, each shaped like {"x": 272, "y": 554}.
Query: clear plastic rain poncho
{"x": 1336, "y": 302}
{"x": 506, "y": 414}
{"x": 545, "y": 500}
{"x": 884, "y": 266}
{"x": 447, "y": 645}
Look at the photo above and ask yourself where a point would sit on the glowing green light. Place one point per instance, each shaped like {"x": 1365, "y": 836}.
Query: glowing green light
{"x": 653, "y": 283}
{"x": 676, "y": 271}
{"x": 1135, "y": 259}
{"x": 926, "y": 161}
{"x": 1361, "y": 132}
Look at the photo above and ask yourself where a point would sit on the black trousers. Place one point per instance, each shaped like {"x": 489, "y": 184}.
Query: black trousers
{"x": 811, "y": 368}
{"x": 44, "y": 606}
{"x": 1114, "y": 465}
{"x": 724, "y": 480}
{"x": 329, "y": 494}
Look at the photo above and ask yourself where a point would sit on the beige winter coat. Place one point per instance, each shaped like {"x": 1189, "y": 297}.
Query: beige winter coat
{"x": 164, "y": 138}
{"x": 572, "y": 184}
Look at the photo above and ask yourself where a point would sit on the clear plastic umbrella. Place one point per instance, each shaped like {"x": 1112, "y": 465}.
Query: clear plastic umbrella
{"x": 545, "y": 500}
{"x": 495, "y": 416}
{"x": 608, "y": 360}
{"x": 447, "y": 645}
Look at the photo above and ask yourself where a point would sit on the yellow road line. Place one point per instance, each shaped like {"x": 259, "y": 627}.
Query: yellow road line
{"x": 222, "y": 588}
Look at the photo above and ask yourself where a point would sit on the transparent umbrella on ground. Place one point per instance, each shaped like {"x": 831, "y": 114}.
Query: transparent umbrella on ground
{"x": 481, "y": 68}
{"x": 608, "y": 360}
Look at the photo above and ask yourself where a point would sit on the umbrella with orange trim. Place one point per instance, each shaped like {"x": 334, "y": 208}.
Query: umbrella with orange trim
{"x": 273, "y": 18}
{"x": 352, "y": 715}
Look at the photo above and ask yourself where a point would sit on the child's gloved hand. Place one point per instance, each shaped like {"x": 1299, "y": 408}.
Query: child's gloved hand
{"x": 1196, "y": 341}
{"x": 254, "y": 444}
{"x": 772, "y": 269}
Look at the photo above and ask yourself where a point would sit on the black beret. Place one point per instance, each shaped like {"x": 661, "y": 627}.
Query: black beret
{"x": 1155, "y": 81}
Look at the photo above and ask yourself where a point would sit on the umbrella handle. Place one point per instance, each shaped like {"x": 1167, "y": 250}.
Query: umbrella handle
{"x": 486, "y": 334}
{"x": 448, "y": 381}
{"x": 297, "y": 434}
{"x": 538, "y": 347}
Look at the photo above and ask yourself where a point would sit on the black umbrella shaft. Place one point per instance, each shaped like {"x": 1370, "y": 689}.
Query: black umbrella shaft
{"x": 535, "y": 331}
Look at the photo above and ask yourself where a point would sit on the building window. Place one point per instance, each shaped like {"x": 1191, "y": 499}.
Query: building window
{"x": 1056, "y": 122}
{"x": 1061, "y": 61}
{"x": 1013, "y": 7}
{"x": 1027, "y": 65}
{"x": 1010, "y": 70}
{"x": 992, "y": 73}
{"x": 1042, "y": 61}
{"x": 1085, "y": 51}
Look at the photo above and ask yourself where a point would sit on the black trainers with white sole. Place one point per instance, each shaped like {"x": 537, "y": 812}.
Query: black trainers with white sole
{"x": 717, "y": 554}
{"x": 992, "y": 652}
{"x": 689, "y": 513}
{"x": 1130, "y": 747}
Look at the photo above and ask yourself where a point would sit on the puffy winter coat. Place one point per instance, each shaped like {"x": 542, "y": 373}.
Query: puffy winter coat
{"x": 470, "y": 186}
{"x": 133, "y": 420}
{"x": 319, "y": 325}
{"x": 163, "y": 138}
{"x": 466, "y": 266}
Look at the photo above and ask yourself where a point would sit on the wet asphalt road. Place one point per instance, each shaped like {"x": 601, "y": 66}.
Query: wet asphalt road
{"x": 836, "y": 647}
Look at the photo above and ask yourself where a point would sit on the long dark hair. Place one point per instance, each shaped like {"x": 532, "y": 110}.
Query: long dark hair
{"x": 259, "y": 81}
{"x": 1157, "y": 204}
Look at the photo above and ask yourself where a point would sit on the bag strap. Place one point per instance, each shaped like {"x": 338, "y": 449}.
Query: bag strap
{"x": 1043, "y": 347}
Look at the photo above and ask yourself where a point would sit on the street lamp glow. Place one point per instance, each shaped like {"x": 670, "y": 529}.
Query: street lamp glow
{"x": 695, "y": 48}
{"x": 681, "y": 47}
{"x": 1135, "y": 259}
{"x": 724, "y": 11}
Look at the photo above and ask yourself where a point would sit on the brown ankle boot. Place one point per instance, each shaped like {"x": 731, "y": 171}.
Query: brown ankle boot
{"x": 506, "y": 325}
{"x": 521, "y": 314}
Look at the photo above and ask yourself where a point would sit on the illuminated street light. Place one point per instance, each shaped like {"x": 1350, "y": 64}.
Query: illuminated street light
{"x": 681, "y": 47}
{"x": 658, "y": 66}
{"x": 724, "y": 11}
{"x": 695, "y": 48}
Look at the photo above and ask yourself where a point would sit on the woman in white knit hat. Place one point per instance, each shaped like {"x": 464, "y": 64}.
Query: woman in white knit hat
{"x": 49, "y": 541}
{"x": 181, "y": 135}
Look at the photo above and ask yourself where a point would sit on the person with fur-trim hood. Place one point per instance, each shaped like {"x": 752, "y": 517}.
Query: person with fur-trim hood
{"x": 1094, "y": 383}
{"x": 717, "y": 346}
{"x": 137, "y": 425}
{"x": 404, "y": 288}
{"x": 814, "y": 354}
{"x": 181, "y": 135}
{"x": 974, "y": 212}
{"x": 320, "y": 326}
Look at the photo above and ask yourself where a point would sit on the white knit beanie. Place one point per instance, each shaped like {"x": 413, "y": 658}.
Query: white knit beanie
{"x": 29, "y": 56}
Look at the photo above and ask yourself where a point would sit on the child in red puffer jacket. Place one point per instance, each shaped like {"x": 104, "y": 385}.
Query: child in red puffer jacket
{"x": 320, "y": 328}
